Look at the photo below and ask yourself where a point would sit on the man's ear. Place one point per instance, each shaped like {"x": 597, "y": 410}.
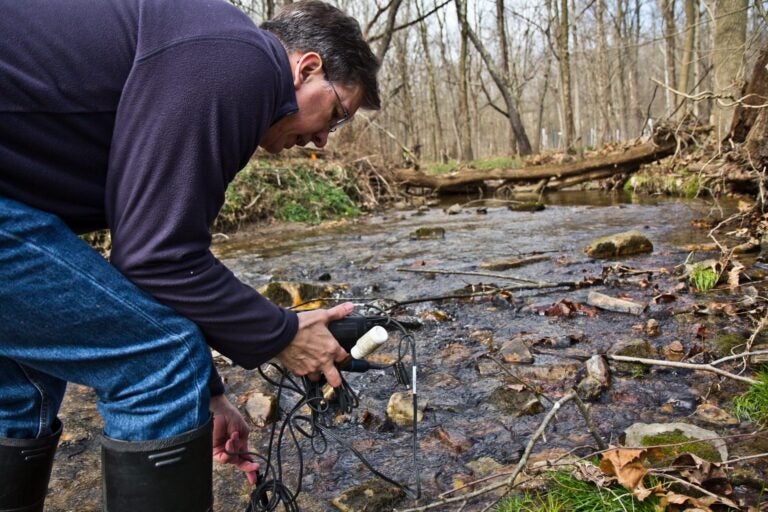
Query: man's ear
{"x": 308, "y": 65}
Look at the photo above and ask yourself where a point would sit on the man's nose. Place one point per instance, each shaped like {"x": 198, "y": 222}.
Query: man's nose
{"x": 320, "y": 139}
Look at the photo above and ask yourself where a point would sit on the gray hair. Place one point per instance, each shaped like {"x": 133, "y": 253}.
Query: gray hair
{"x": 315, "y": 26}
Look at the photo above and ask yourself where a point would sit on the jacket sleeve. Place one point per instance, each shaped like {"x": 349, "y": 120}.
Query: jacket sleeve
{"x": 190, "y": 116}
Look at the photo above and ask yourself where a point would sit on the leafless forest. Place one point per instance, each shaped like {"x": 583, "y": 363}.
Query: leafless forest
{"x": 468, "y": 79}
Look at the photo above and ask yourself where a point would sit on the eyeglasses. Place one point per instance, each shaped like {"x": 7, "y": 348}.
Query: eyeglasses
{"x": 335, "y": 125}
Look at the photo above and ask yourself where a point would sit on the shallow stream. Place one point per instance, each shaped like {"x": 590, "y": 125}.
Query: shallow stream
{"x": 464, "y": 420}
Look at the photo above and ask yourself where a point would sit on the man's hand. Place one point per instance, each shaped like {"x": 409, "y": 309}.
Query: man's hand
{"x": 230, "y": 437}
{"x": 314, "y": 349}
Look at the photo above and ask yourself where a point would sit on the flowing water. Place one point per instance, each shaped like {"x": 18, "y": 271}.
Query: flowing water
{"x": 458, "y": 385}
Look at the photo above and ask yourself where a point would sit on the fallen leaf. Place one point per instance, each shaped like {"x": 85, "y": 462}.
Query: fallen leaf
{"x": 627, "y": 466}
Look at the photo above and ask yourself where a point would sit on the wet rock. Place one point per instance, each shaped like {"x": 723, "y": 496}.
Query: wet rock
{"x": 673, "y": 351}
{"x": 292, "y": 294}
{"x": 454, "y": 209}
{"x": 453, "y": 439}
{"x": 513, "y": 401}
{"x": 620, "y": 244}
{"x": 632, "y": 348}
{"x": 507, "y": 263}
{"x": 589, "y": 388}
{"x": 531, "y": 206}
{"x": 715, "y": 415}
{"x": 597, "y": 368}
{"x": 596, "y": 380}
{"x": 515, "y": 351}
{"x": 261, "y": 408}
{"x": 375, "y": 495}
{"x": 652, "y": 327}
{"x": 435, "y": 315}
{"x": 555, "y": 376}
{"x": 602, "y": 301}
{"x": 455, "y": 353}
{"x": 400, "y": 409}
{"x": 638, "y": 435}
{"x": 428, "y": 233}
{"x": 483, "y": 466}
{"x": 484, "y": 337}
{"x": 409, "y": 322}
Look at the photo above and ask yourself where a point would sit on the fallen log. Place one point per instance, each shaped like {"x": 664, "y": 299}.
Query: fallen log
{"x": 627, "y": 160}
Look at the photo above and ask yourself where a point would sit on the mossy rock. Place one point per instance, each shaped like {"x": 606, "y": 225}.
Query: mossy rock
{"x": 428, "y": 233}
{"x": 621, "y": 244}
{"x": 372, "y": 496}
{"x": 655, "y": 434}
{"x": 526, "y": 207}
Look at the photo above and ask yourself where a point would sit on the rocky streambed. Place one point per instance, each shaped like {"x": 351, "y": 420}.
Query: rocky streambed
{"x": 496, "y": 346}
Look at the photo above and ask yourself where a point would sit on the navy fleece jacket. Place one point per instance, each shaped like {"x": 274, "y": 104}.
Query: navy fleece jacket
{"x": 134, "y": 115}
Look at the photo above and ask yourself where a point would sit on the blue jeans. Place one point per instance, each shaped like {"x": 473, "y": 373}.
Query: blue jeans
{"x": 67, "y": 315}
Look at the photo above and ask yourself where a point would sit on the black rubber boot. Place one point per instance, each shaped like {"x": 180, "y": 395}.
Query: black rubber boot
{"x": 168, "y": 475}
{"x": 25, "y": 468}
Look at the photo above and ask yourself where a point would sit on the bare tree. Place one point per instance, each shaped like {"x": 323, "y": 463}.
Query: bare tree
{"x": 689, "y": 46}
{"x": 670, "y": 49}
{"x": 558, "y": 14}
{"x": 465, "y": 136}
{"x": 506, "y": 89}
{"x": 438, "y": 143}
{"x": 728, "y": 58}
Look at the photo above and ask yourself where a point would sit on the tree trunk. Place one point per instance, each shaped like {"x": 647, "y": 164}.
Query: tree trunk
{"x": 755, "y": 93}
{"x": 619, "y": 162}
{"x": 562, "y": 52}
{"x": 728, "y": 59}
{"x": 463, "y": 119}
{"x": 438, "y": 144}
{"x": 670, "y": 69}
{"x": 389, "y": 31}
{"x": 604, "y": 99}
{"x": 523, "y": 144}
{"x": 689, "y": 47}
{"x": 501, "y": 29}
{"x": 401, "y": 50}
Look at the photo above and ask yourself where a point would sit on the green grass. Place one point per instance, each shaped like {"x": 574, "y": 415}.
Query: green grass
{"x": 565, "y": 493}
{"x": 483, "y": 164}
{"x": 300, "y": 193}
{"x": 502, "y": 162}
{"x": 704, "y": 278}
{"x": 753, "y": 405}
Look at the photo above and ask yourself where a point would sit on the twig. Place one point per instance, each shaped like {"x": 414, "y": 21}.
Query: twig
{"x": 746, "y": 457}
{"x": 477, "y": 274}
{"x": 739, "y": 356}
{"x": 590, "y": 426}
{"x": 721, "y": 499}
{"x": 676, "y": 364}
{"x": 518, "y": 468}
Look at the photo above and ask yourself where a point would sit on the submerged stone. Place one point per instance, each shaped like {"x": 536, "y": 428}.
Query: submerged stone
{"x": 531, "y": 206}
{"x": 400, "y": 409}
{"x": 620, "y": 244}
{"x": 514, "y": 402}
{"x": 428, "y": 233}
{"x": 372, "y": 496}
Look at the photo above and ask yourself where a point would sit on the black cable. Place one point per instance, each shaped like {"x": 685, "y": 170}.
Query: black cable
{"x": 270, "y": 490}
